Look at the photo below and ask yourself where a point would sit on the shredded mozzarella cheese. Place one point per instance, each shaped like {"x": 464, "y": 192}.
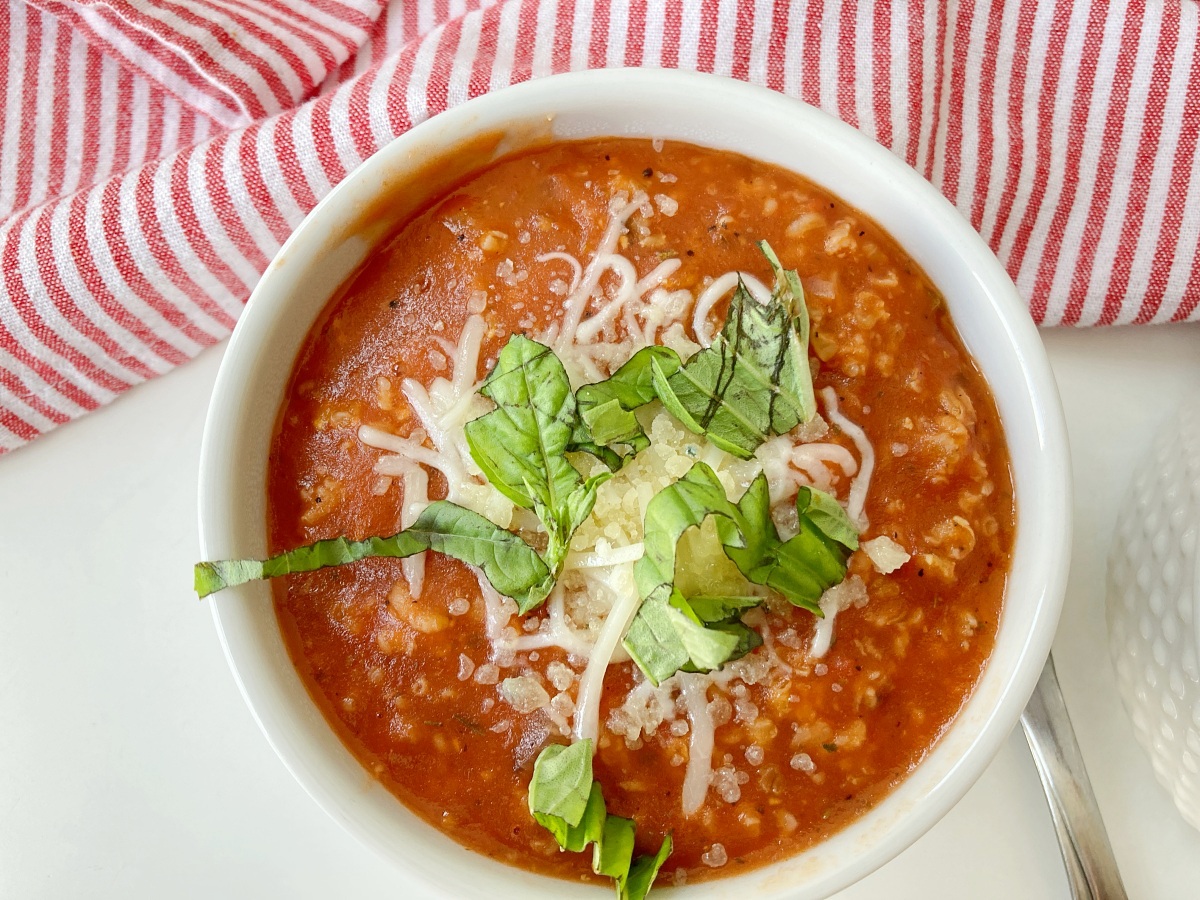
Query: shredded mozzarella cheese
{"x": 851, "y": 592}
{"x": 856, "y": 504}
{"x": 591, "y": 682}
{"x": 700, "y": 745}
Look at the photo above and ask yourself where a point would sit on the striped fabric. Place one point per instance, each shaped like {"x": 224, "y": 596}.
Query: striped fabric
{"x": 156, "y": 153}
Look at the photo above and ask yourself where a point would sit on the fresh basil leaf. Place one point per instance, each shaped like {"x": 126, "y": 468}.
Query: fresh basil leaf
{"x": 612, "y": 855}
{"x": 570, "y": 805}
{"x": 575, "y": 509}
{"x": 521, "y": 444}
{"x": 671, "y": 512}
{"x": 562, "y": 782}
{"x": 789, "y": 291}
{"x": 666, "y": 634}
{"x": 828, "y": 516}
{"x": 711, "y": 610}
{"x": 610, "y": 423}
{"x": 653, "y": 643}
{"x": 632, "y": 385}
{"x": 589, "y": 829}
{"x": 581, "y": 441}
{"x": 801, "y": 568}
{"x": 607, "y": 407}
{"x": 644, "y": 870}
{"x": 754, "y": 381}
{"x": 511, "y": 565}
{"x": 747, "y": 638}
{"x": 706, "y": 648}
{"x": 211, "y": 577}
{"x": 749, "y": 540}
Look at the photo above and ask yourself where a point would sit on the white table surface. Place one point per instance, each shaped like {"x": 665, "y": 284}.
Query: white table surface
{"x": 130, "y": 768}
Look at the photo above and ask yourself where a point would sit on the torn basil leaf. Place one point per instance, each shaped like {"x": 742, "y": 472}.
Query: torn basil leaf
{"x": 712, "y": 610}
{"x": 589, "y": 829}
{"x": 644, "y": 870}
{"x": 803, "y": 567}
{"x": 707, "y": 648}
{"x": 666, "y": 634}
{"x": 672, "y": 636}
{"x": 653, "y": 642}
{"x": 512, "y": 566}
{"x": 790, "y": 292}
{"x": 754, "y": 381}
{"x": 747, "y": 638}
{"x": 828, "y": 516}
{"x": 671, "y": 512}
{"x": 749, "y": 540}
{"x": 607, "y": 407}
{"x": 562, "y": 522}
{"x": 521, "y": 445}
{"x": 612, "y": 855}
{"x": 670, "y": 633}
{"x": 562, "y": 782}
{"x": 568, "y": 803}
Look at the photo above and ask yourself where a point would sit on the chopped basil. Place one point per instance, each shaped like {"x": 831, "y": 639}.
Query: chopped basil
{"x": 670, "y": 632}
{"x": 644, "y": 870}
{"x": 613, "y": 854}
{"x": 667, "y": 634}
{"x": 511, "y": 565}
{"x": 828, "y": 516}
{"x": 589, "y": 829}
{"x": 790, "y": 292}
{"x": 754, "y": 381}
{"x": 570, "y": 805}
{"x": 747, "y": 638}
{"x": 521, "y": 445}
{"x": 562, "y": 782}
{"x": 666, "y": 637}
{"x": 749, "y": 541}
{"x": 713, "y": 610}
{"x": 653, "y": 642}
{"x": 803, "y": 567}
{"x": 607, "y": 407}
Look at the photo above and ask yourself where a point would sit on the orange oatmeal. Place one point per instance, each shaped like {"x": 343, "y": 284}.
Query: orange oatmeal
{"x": 447, "y": 695}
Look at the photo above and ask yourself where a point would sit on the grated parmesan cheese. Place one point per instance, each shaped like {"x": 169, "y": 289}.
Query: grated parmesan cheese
{"x": 524, "y": 694}
{"x": 885, "y": 554}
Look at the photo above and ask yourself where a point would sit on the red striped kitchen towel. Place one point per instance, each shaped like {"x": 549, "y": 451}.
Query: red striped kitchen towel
{"x": 156, "y": 153}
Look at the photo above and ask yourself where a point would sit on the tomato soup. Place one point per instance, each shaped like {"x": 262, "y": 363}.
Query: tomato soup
{"x": 446, "y": 695}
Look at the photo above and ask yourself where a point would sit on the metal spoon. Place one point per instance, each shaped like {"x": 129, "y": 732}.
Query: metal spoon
{"x": 1091, "y": 867}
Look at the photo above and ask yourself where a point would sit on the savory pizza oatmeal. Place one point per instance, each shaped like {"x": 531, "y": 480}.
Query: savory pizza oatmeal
{"x": 698, "y": 517}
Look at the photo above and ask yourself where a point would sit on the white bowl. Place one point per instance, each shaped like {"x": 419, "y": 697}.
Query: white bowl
{"x": 991, "y": 319}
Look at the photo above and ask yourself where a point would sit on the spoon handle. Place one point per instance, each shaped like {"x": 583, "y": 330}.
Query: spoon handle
{"x": 1091, "y": 867}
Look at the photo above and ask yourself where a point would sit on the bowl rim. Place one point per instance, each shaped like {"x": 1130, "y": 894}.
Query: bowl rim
{"x": 1044, "y": 526}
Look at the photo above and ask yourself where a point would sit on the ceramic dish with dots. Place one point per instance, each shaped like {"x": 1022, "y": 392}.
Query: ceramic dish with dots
{"x": 1153, "y": 595}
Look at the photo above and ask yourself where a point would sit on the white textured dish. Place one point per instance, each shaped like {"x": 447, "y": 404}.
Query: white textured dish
{"x": 991, "y": 319}
{"x": 1153, "y": 601}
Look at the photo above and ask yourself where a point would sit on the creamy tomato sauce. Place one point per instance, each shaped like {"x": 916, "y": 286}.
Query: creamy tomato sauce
{"x": 802, "y": 744}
